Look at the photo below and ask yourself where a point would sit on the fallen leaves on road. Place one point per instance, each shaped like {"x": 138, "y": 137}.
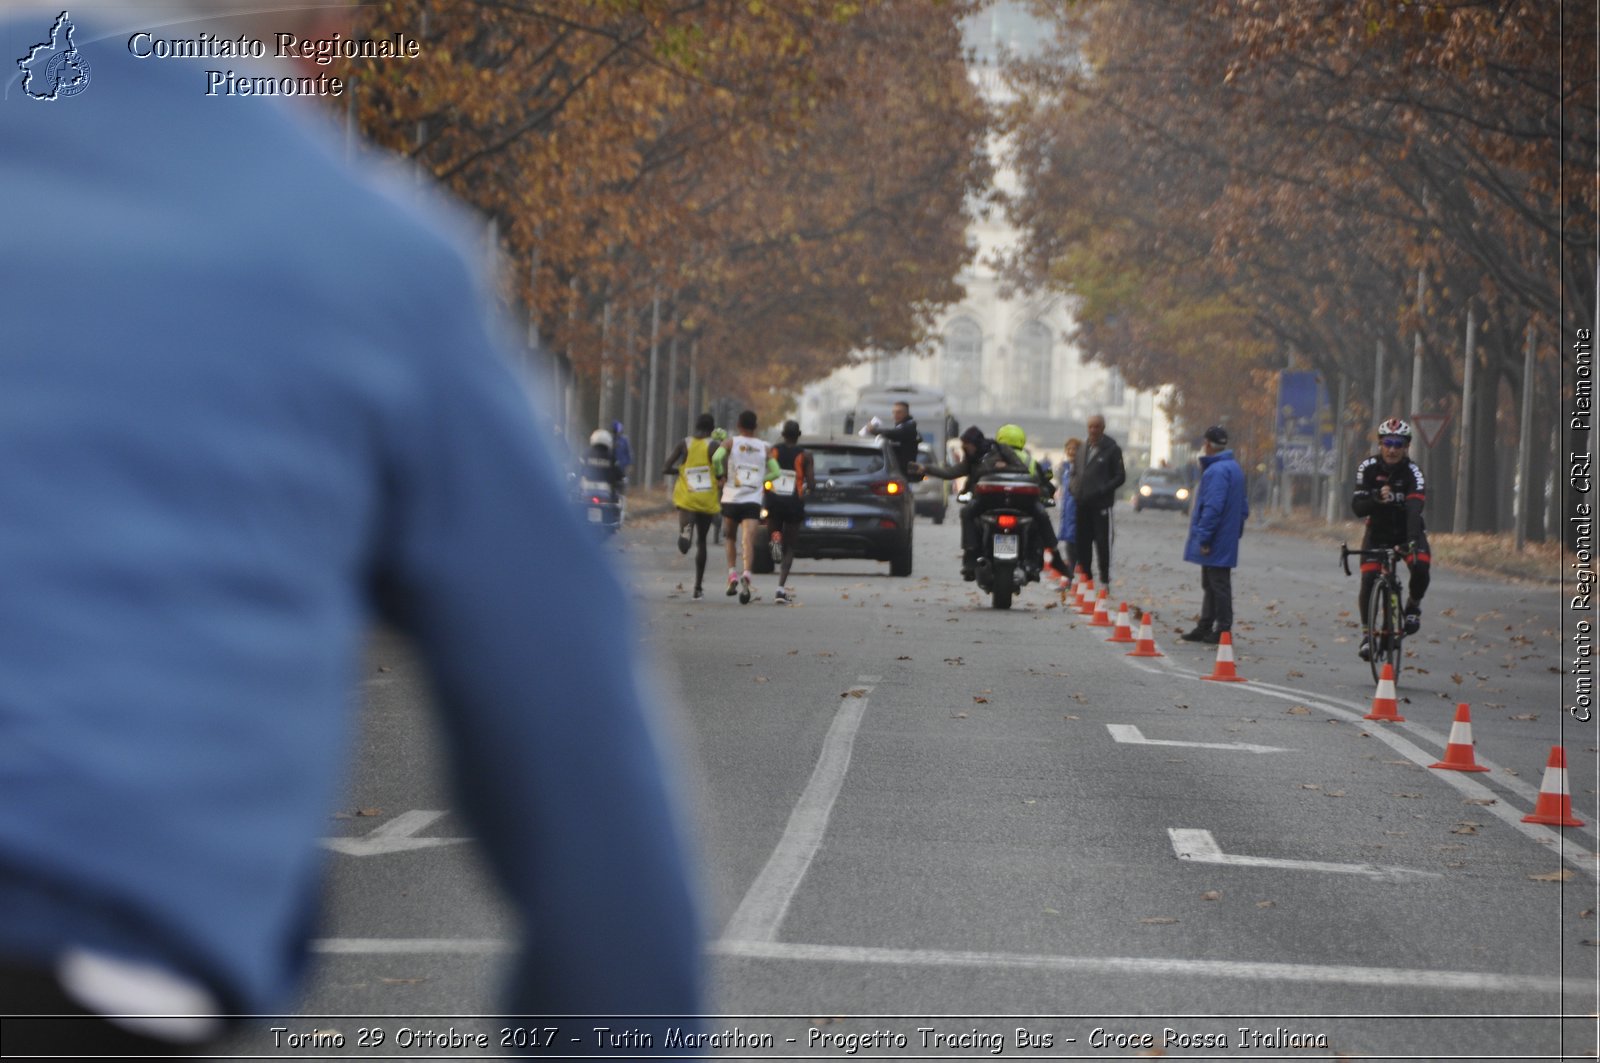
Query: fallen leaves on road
{"x": 1309, "y": 786}
{"x": 1407, "y": 796}
{"x": 854, "y": 692}
{"x": 1527, "y": 716}
{"x": 1298, "y": 710}
{"x": 1554, "y": 876}
{"x": 980, "y": 700}
{"x": 1211, "y": 895}
{"x": 1465, "y": 827}
{"x": 1266, "y": 904}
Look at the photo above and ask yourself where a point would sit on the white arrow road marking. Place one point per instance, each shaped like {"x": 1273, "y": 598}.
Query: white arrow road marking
{"x": 1201, "y": 847}
{"x": 394, "y": 836}
{"x": 1124, "y": 732}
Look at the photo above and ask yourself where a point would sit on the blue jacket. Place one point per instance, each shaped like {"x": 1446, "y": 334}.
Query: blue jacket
{"x": 256, "y": 406}
{"x": 1068, "y": 532}
{"x": 1220, "y": 510}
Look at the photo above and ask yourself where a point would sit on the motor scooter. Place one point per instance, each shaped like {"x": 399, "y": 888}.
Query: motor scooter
{"x": 1007, "y": 558}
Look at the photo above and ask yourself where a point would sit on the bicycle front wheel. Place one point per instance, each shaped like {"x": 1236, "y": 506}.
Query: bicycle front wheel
{"x": 1388, "y": 630}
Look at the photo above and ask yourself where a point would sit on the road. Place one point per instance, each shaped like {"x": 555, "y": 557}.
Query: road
{"x": 913, "y": 805}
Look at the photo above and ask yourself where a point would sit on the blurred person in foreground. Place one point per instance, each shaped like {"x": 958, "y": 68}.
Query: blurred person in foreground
{"x": 251, "y": 402}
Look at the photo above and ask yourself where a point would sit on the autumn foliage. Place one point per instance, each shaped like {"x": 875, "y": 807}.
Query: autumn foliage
{"x": 791, "y": 177}
{"x": 1231, "y": 187}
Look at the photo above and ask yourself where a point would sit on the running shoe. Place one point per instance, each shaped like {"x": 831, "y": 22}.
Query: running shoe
{"x": 746, "y": 592}
{"x": 683, "y": 539}
{"x": 781, "y": 596}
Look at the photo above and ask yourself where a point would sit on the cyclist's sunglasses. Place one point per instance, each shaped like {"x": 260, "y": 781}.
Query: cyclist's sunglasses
{"x": 1395, "y": 441}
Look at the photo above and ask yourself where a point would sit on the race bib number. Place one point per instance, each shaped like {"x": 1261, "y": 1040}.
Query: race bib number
{"x": 698, "y": 478}
{"x": 747, "y": 476}
{"x": 784, "y": 484}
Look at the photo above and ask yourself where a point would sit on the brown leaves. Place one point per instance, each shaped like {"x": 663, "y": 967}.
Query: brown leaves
{"x": 1563, "y": 875}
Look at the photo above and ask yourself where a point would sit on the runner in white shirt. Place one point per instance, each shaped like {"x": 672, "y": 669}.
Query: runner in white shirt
{"x": 745, "y": 458}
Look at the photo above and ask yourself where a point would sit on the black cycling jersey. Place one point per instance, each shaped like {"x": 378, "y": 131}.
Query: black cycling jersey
{"x": 1390, "y": 524}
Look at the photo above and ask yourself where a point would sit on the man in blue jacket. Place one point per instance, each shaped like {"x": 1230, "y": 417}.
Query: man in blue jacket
{"x": 1215, "y": 525}
{"x": 251, "y": 402}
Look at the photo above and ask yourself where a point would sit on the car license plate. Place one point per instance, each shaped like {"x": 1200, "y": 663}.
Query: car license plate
{"x": 1005, "y": 547}
{"x": 595, "y": 516}
{"x": 828, "y": 523}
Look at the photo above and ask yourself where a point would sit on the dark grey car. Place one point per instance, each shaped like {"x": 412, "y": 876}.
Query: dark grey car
{"x": 859, "y": 507}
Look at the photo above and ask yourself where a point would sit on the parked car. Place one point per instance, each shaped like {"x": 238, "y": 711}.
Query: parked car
{"x": 860, "y": 506}
{"x": 931, "y": 494}
{"x": 1161, "y": 489}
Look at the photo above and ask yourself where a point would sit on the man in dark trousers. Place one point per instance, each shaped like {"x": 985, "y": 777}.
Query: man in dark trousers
{"x": 1094, "y": 484}
{"x": 1217, "y": 522}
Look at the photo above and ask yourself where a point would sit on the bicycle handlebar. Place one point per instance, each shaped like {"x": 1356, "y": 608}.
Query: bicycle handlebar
{"x": 1375, "y": 553}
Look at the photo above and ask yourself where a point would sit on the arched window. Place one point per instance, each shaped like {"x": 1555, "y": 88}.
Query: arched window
{"x": 1031, "y": 380}
{"x": 963, "y": 362}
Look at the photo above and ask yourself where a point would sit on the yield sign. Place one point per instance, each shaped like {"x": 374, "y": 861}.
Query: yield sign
{"x": 1431, "y": 425}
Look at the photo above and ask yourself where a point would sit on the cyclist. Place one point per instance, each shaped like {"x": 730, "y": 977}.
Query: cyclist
{"x": 1390, "y": 491}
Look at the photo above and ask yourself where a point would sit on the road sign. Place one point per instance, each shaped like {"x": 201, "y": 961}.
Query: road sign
{"x": 1430, "y": 425}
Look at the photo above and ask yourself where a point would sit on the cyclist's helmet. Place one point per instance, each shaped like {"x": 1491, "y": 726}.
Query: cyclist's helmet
{"x": 1394, "y": 428}
{"x": 1012, "y": 436}
{"x": 600, "y": 438}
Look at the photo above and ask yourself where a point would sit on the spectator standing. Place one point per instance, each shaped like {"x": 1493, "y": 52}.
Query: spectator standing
{"x": 1215, "y": 525}
{"x": 281, "y": 417}
{"x": 1094, "y": 491}
{"x": 1068, "y": 546}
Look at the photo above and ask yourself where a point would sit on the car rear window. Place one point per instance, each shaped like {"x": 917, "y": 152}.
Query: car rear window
{"x": 1160, "y": 479}
{"x": 847, "y": 462}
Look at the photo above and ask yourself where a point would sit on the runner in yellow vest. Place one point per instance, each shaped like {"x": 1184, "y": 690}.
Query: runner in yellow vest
{"x": 695, "y": 494}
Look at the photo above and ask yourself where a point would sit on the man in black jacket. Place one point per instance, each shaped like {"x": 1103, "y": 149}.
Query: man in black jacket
{"x": 903, "y": 436}
{"x": 1094, "y": 484}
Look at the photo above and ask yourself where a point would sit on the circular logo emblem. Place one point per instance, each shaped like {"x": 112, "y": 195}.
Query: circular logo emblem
{"x": 67, "y": 73}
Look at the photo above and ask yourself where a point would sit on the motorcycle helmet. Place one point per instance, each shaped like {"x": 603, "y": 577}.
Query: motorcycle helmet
{"x": 600, "y": 438}
{"x": 1395, "y": 427}
{"x": 1012, "y": 436}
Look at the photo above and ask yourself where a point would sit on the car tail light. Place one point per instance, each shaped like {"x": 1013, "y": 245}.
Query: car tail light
{"x": 886, "y": 522}
{"x": 887, "y": 487}
{"x": 1008, "y": 521}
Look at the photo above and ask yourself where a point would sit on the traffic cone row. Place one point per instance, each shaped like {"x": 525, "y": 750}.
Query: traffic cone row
{"x": 1224, "y": 671}
{"x": 1554, "y": 804}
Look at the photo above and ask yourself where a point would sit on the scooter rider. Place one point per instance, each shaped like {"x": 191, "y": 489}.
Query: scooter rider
{"x": 1010, "y": 453}
{"x": 1390, "y": 492}
{"x": 598, "y": 464}
{"x": 974, "y": 447}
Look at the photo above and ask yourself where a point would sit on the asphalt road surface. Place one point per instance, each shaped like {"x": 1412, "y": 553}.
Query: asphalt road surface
{"x": 929, "y": 828}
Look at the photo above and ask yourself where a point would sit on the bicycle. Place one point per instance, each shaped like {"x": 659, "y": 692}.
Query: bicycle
{"x": 1386, "y": 623}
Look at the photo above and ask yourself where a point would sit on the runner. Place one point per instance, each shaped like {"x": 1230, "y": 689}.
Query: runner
{"x": 746, "y": 463}
{"x": 788, "y": 481}
{"x": 694, "y": 494}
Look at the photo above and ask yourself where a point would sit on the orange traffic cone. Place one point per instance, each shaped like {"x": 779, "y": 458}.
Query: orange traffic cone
{"x": 1122, "y": 632}
{"x": 1101, "y": 618}
{"x": 1384, "y": 705}
{"x": 1086, "y": 603}
{"x": 1146, "y": 646}
{"x": 1224, "y": 673}
{"x": 1458, "y": 751}
{"x": 1554, "y": 806}
{"x": 1050, "y": 568}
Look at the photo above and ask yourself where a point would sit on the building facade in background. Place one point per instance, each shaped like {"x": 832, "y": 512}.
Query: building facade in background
{"x": 1001, "y": 358}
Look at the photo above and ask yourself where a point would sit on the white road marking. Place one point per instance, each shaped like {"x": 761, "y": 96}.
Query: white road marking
{"x": 1323, "y": 974}
{"x": 1202, "y": 848}
{"x": 1572, "y": 852}
{"x": 1124, "y": 732}
{"x": 413, "y": 946}
{"x": 766, "y": 903}
{"x": 1391, "y": 977}
{"x": 394, "y": 836}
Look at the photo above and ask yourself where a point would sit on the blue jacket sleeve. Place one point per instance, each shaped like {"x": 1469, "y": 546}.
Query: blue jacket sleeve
{"x": 530, "y": 643}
